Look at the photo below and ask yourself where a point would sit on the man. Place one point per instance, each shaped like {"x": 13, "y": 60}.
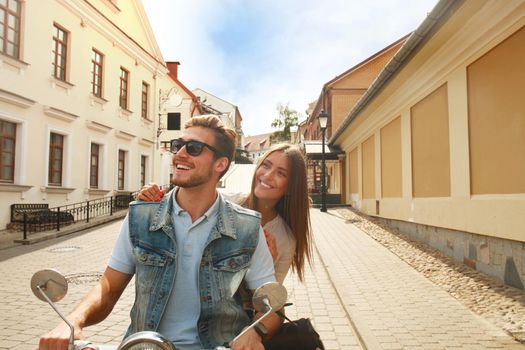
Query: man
{"x": 190, "y": 253}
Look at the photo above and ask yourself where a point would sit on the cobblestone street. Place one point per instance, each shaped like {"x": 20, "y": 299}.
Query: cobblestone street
{"x": 83, "y": 256}
{"x": 359, "y": 294}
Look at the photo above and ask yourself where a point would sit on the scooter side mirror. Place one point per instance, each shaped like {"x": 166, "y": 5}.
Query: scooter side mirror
{"x": 50, "y": 282}
{"x": 271, "y": 295}
{"x": 268, "y": 298}
{"x": 51, "y": 286}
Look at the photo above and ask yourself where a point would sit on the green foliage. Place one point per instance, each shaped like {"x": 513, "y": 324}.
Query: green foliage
{"x": 286, "y": 119}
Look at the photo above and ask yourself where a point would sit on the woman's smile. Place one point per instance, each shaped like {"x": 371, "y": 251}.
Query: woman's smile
{"x": 264, "y": 184}
{"x": 272, "y": 177}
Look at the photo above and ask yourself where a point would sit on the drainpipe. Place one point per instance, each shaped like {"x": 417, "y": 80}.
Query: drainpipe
{"x": 155, "y": 151}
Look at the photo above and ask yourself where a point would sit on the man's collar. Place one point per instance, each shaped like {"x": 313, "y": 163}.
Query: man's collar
{"x": 168, "y": 204}
{"x": 213, "y": 210}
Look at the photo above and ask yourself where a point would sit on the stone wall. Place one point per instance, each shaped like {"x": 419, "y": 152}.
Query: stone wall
{"x": 501, "y": 258}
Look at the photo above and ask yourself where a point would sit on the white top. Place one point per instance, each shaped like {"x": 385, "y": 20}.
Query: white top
{"x": 179, "y": 322}
{"x": 285, "y": 242}
{"x": 284, "y": 239}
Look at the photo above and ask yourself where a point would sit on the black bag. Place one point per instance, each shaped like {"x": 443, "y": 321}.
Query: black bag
{"x": 295, "y": 335}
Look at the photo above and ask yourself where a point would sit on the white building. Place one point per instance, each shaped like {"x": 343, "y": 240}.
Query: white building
{"x": 80, "y": 86}
{"x": 228, "y": 112}
{"x": 257, "y": 145}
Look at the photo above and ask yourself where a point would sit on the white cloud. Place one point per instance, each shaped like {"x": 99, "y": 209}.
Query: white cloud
{"x": 290, "y": 50}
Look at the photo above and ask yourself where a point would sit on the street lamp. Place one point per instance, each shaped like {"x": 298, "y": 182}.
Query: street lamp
{"x": 323, "y": 120}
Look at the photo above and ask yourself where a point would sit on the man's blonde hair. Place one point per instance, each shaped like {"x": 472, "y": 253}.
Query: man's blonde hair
{"x": 225, "y": 138}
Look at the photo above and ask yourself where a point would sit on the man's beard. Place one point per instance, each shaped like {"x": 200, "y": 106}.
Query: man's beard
{"x": 194, "y": 180}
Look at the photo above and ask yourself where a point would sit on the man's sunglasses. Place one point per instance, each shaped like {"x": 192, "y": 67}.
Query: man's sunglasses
{"x": 193, "y": 148}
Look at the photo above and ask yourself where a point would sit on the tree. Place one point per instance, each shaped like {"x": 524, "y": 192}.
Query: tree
{"x": 286, "y": 119}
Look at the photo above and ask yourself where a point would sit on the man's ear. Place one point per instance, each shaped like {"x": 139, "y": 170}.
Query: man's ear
{"x": 221, "y": 164}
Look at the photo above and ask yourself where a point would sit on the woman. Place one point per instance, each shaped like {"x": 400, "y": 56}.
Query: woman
{"x": 279, "y": 192}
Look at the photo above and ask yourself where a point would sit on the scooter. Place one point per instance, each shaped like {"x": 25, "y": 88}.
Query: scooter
{"x": 51, "y": 286}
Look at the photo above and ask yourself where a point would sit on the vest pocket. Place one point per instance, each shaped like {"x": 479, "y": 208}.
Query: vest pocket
{"x": 232, "y": 263}
{"x": 149, "y": 257}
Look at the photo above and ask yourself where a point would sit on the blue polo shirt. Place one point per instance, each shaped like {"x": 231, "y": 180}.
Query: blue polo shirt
{"x": 179, "y": 321}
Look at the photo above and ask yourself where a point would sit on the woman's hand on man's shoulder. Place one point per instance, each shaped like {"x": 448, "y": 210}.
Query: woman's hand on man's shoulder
{"x": 151, "y": 193}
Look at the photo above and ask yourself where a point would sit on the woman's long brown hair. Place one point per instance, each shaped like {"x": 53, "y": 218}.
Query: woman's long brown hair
{"x": 294, "y": 206}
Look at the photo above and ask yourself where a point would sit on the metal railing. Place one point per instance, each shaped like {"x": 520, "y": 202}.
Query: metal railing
{"x": 31, "y": 218}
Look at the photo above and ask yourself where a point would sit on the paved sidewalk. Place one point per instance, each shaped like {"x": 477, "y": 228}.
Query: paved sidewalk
{"x": 392, "y": 305}
{"x": 317, "y": 299}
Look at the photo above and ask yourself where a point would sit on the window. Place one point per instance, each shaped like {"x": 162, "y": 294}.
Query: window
{"x": 97, "y": 65}
{"x": 56, "y": 155}
{"x": 144, "y": 107}
{"x": 124, "y": 81}
{"x": 7, "y": 151}
{"x": 121, "y": 169}
{"x": 60, "y": 42}
{"x": 93, "y": 168}
{"x": 143, "y": 161}
{"x": 173, "y": 121}
{"x": 10, "y": 27}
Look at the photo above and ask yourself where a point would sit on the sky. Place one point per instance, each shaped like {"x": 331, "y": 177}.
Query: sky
{"x": 259, "y": 54}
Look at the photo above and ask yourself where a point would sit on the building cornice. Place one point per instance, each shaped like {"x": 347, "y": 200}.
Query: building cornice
{"x": 124, "y": 135}
{"x": 90, "y": 16}
{"x": 403, "y": 83}
{"x": 146, "y": 142}
{"x": 98, "y": 126}
{"x": 59, "y": 114}
{"x": 439, "y": 15}
{"x": 15, "y": 99}
{"x": 9, "y": 187}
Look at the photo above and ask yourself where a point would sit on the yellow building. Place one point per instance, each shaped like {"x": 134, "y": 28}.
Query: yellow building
{"x": 337, "y": 98}
{"x": 85, "y": 101}
{"x": 436, "y": 146}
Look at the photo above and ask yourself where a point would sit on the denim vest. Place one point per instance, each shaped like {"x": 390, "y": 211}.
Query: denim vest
{"x": 224, "y": 262}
